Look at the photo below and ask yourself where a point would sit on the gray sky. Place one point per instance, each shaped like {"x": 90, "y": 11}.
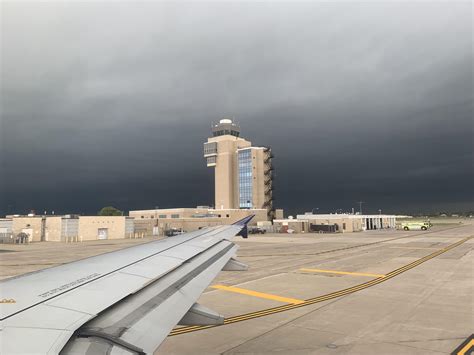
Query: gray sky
{"x": 109, "y": 102}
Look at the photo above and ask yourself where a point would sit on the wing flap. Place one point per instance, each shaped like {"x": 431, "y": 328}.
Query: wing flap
{"x": 145, "y": 319}
{"x": 140, "y": 332}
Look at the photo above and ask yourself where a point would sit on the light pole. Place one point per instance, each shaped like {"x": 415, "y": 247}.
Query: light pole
{"x": 360, "y": 206}
{"x": 314, "y": 208}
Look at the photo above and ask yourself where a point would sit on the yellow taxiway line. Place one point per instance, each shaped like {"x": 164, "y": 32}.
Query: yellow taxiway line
{"x": 326, "y": 297}
{"x": 468, "y": 347}
{"x": 257, "y": 294}
{"x": 343, "y": 272}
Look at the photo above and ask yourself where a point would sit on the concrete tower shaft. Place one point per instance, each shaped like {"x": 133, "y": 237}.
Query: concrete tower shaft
{"x": 220, "y": 152}
{"x": 243, "y": 174}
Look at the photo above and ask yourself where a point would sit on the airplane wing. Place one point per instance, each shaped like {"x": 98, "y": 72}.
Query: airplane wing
{"x": 122, "y": 302}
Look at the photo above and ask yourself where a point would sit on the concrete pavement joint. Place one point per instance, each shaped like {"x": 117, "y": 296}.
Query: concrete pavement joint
{"x": 342, "y": 272}
{"x": 286, "y": 323}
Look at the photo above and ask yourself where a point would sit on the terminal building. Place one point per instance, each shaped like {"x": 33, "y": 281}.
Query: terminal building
{"x": 335, "y": 223}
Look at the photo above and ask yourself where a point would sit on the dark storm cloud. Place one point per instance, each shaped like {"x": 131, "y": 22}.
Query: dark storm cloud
{"x": 109, "y": 103}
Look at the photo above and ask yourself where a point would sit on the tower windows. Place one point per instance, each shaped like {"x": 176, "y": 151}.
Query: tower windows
{"x": 245, "y": 178}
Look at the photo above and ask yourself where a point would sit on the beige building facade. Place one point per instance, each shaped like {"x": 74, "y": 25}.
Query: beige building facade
{"x": 158, "y": 221}
{"x": 32, "y": 226}
{"x": 255, "y": 178}
{"x": 220, "y": 152}
{"x": 344, "y": 223}
{"x": 242, "y": 173}
{"x": 72, "y": 228}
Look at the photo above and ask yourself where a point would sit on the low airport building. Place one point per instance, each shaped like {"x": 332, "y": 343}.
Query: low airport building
{"x": 334, "y": 223}
{"x": 158, "y": 221}
{"x": 67, "y": 228}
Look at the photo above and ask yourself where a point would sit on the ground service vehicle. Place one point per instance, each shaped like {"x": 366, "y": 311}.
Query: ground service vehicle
{"x": 256, "y": 230}
{"x": 173, "y": 231}
{"x": 408, "y": 226}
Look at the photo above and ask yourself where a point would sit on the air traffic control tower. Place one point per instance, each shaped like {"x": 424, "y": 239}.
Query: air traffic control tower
{"x": 243, "y": 174}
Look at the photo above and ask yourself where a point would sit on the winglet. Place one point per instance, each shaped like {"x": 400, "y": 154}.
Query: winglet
{"x": 243, "y": 222}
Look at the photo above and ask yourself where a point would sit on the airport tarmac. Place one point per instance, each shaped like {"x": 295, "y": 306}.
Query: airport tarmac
{"x": 374, "y": 292}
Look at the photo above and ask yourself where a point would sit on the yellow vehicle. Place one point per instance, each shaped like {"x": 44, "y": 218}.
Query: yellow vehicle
{"x": 409, "y": 226}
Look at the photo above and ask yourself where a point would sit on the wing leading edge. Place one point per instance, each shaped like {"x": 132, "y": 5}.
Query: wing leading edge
{"x": 131, "y": 302}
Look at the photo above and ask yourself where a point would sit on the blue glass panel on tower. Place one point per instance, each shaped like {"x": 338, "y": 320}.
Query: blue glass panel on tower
{"x": 245, "y": 178}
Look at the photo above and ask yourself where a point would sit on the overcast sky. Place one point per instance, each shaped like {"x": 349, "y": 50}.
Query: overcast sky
{"x": 108, "y": 103}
